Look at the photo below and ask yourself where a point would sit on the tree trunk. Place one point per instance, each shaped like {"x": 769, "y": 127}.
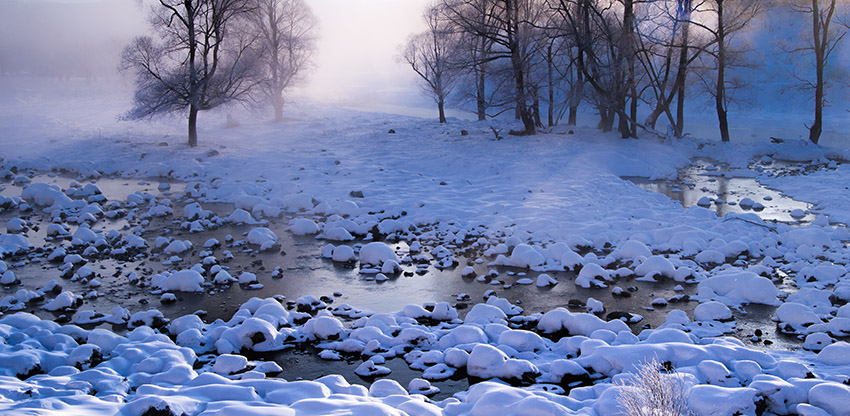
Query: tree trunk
{"x": 441, "y": 109}
{"x": 720, "y": 96}
{"x": 623, "y": 126}
{"x": 481, "y": 80}
{"x": 631, "y": 82}
{"x": 577, "y": 90}
{"x": 193, "y": 123}
{"x": 606, "y": 122}
{"x": 480, "y": 96}
{"x": 820, "y": 55}
{"x": 278, "y": 106}
{"x": 682, "y": 71}
{"x": 550, "y": 82}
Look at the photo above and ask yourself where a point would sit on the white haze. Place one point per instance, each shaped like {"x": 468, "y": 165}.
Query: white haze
{"x": 356, "y": 60}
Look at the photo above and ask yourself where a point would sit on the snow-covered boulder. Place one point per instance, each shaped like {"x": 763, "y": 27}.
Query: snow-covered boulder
{"x": 180, "y": 281}
{"x": 303, "y": 226}
{"x": 377, "y": 253}
{"x": 738, "y": 287}
{"x": 263, "y": 237}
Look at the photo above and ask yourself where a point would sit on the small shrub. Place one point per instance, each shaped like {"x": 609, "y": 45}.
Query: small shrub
{"x": 655, "y": 390}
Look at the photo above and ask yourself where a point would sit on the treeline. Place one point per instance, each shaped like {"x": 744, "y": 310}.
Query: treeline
{"x": 531, "y": 56}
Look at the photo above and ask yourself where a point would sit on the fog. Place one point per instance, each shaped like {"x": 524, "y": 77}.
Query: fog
{"x": 356, "y": 59}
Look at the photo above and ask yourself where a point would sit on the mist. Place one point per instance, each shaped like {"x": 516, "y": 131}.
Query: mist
{"x": 356, "y": 60}
{"x": 66, "y": 39}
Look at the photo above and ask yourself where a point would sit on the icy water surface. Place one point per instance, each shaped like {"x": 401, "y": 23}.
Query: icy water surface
{"x": 726, "y": 188}
{"x": 304, "y": 272}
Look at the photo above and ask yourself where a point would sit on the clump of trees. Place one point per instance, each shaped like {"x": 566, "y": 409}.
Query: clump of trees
{"x": 207, "y": 53}
{"x": 550, "y": 56}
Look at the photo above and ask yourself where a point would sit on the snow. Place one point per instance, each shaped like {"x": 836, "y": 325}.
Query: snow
{"x": 181, "y": 281}
{"x": 377, "y": 254}
{"x": 303, "y": 226}
{"x": 262, "y": 237}
{"x": 738, "y": 287}
{"x": 343, "y": 254}
{"x": 559, "y": 196}
{"x": 712, "y": 311}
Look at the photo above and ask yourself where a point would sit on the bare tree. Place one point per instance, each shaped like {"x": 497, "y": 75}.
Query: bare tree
{"x": 665, "y": 53}
{"x": 729, "y": 17}
{"x": 196, "y": 61}
{"x": 429, "y": 53}
{"x": 605, "y": 34}
{"x": 827, "y": 31}
{"x": 287, "y": 36}
{"x": 505, "y": 25}
{"x": 474, "y": 53}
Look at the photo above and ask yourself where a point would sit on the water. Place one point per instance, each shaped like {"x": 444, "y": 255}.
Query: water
{"x": 727, "y": 187}
{"x": 305, "y": 273}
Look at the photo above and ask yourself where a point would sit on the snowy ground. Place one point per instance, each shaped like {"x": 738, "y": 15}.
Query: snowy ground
{"x": 550, "y": 203}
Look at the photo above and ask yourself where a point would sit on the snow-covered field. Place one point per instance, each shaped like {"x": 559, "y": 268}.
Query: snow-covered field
{"x": 546, "y": 204}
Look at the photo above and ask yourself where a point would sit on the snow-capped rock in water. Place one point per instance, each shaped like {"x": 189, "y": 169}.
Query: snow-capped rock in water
{"x": 593, "y": 275}
{"x": 180, "y": 281}
{"x": 738, "y": 287}
{"x": 343, "y": 254}
{"x": 303, "y": 226}
{"x": 526, "y": 256}
{"x": 544, "y": 280}
{"x": 263, "y": 237}
{"x": 240, "y": 216}
{"x": 376, "y": 254}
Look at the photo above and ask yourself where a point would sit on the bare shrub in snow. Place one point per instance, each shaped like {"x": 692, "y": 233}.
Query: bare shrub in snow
{"x": 652, "y": 391}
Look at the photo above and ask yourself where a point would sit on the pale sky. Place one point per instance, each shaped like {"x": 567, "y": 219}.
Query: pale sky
{"x": 356, "y": 58}
{"x": 360, "y": 41}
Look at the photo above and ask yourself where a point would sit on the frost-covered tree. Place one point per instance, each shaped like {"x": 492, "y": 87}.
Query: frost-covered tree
{"x": 429, "y": 54}
{"x": 828, "y": 27}
{"x": 287, "y": 32}
{"x": 196, "y": 60}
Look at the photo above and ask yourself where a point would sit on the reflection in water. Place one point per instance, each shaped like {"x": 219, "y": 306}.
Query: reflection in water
{"x": 727, "y": 188}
